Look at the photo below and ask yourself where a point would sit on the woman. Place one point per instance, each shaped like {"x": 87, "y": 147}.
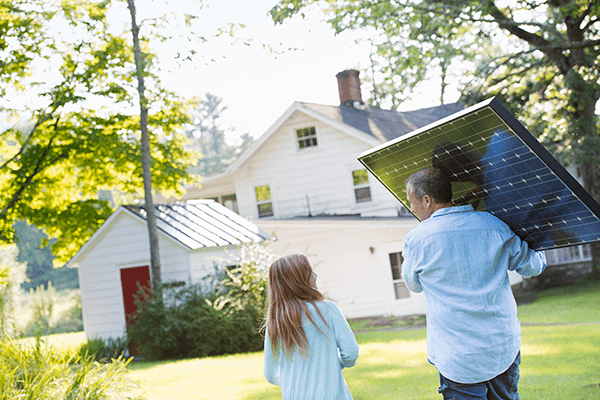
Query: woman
{"x": 307, "y": 341}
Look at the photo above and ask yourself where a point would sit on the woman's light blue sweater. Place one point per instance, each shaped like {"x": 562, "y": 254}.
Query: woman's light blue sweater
{"x": 319, "y": 377}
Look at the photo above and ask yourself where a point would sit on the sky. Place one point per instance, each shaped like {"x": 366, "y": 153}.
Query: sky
{"x": 256, "y": 86}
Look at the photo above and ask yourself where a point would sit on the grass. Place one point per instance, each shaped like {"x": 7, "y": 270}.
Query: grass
{"x": 371, "y": 324}
{"x": 64, "y": 342}
{"x": 579, "y": 303}
{"x": 38, "y": 370}
{"x": 558, "y": 361}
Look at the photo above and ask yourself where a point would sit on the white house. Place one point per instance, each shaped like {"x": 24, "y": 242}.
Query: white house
{"x": 305, "y": 163}
{"x": 301, "y": 181}
{"x": 115, "y": 261}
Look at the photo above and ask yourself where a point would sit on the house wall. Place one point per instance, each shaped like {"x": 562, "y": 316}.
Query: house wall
{"x": 205, "y": 262}
{"x": 313, "y": 180}
{"x": 357, "y": 279}
{"x": 124, "y": 245}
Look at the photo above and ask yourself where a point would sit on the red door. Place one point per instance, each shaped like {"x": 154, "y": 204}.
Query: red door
{"x": 132, "y": 279}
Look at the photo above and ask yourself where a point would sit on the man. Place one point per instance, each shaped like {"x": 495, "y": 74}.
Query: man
{"x": 460, "y": 258}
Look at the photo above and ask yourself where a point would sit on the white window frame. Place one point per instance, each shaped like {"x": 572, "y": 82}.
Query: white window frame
{"x": 399, "y": 280}
{"x": 259, "y": 202}
{"x": 361, "y": 186}
{"x": 297, "y": 140}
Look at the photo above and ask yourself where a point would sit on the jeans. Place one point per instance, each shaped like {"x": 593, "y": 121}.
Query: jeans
{"x": 502, "y": 387}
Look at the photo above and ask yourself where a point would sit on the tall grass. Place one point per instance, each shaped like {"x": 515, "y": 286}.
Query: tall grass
{"x": 39, "y": 371}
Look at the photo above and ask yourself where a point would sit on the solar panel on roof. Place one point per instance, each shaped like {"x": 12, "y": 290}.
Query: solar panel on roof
{"x": 496, "y": 165}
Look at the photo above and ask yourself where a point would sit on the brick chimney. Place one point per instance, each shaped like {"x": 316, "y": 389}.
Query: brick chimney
{"x": 349, "y": 87}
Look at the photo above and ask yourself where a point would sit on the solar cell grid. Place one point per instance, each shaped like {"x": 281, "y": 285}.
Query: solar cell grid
{"x": 496, "y": 165}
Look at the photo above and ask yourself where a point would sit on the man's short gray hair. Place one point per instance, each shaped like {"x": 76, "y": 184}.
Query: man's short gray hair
{"x": 433, "y": 182}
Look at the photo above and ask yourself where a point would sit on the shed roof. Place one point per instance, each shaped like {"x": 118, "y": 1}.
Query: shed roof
{"x": 202, "y": 223}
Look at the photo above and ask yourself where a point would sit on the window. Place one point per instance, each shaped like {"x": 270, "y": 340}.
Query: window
{"x": 362, "y": 190}
{"x": 400, "y": 288}
{"x": 263, "y": 201}
{"x": 307, "y": 137}
{"x": 230, "y": 201}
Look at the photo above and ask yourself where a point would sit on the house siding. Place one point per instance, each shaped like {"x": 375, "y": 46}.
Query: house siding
{"x": 99, "y": 278}
{"x": 204, "y": 262}
{"x": 295, "y": 188}
{"x": 358, "y": 280}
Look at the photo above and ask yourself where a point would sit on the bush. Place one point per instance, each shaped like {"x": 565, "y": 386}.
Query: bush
{"x": 42, "y": 305}
{"x": 70, "y": 320}
{"x": 102, "y": 351}
{"x": 187, "y": 322}
{"x": 49, "y": 311}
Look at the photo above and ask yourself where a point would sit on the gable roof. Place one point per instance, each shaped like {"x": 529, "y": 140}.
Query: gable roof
{"x": 386, "y": 125}
{"x": 193, "y": 224}
{"x": 371, "y": 125}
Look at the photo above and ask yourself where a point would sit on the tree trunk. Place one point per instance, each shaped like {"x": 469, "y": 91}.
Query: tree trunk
{"x": 146, "y": 158}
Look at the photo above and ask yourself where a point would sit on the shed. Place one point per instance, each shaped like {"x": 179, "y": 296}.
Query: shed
{"x": 193, "y": 235}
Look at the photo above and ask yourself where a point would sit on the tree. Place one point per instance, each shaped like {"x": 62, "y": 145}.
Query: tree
{"x": 208, "y": 138}
{"x": 146, "y": 156}
{"x": 39, "y": 260}
{"x": 544, "y": 64}
{"x": 78, "y": 136}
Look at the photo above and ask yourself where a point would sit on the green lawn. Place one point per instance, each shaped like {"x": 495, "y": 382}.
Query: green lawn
{"x": 558, "y": 361}
{"x": 570, "y": 304}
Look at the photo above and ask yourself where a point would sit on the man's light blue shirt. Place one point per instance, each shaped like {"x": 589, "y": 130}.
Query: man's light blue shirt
{"x": 460, "y": 258}
{"x": 320, "y": 376}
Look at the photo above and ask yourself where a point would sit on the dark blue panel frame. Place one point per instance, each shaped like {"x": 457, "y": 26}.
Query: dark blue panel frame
{"x": 498, "y": 166}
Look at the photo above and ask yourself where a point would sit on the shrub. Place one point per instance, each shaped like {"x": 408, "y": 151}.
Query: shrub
{"x": 70, "y": 320}
{"x": 188, "y": 322}
{"x": 48, "y": 311}
{"x": 42, "y": 304}
{"x": 103, "y": 351}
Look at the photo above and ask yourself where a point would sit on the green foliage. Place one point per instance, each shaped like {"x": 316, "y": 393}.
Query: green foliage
{"x": 194, "y": 322}
{"x": 39, "y": 260}
{"x": 78, "y": 135}
{"x": 190, "y": 323}
{"x": 71, "y": 319}
{"x": 540, "y": 58}
{"x": 42, "y": 304}
{"x": 40, "y": 372}
{"x": 12, "y": 275}
{"x": 103, "y": 351}
{"x": 53, "y": 312}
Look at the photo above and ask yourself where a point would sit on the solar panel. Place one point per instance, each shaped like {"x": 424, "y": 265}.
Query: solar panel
{"x": 496, "y": 165}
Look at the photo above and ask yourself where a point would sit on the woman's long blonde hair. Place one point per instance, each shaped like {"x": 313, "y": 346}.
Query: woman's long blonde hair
{"x": 291, "y": 285}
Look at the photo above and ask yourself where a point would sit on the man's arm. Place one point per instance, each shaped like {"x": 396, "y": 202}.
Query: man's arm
{"x": 525, "y": 261}
{"x": 410, "y": 271}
